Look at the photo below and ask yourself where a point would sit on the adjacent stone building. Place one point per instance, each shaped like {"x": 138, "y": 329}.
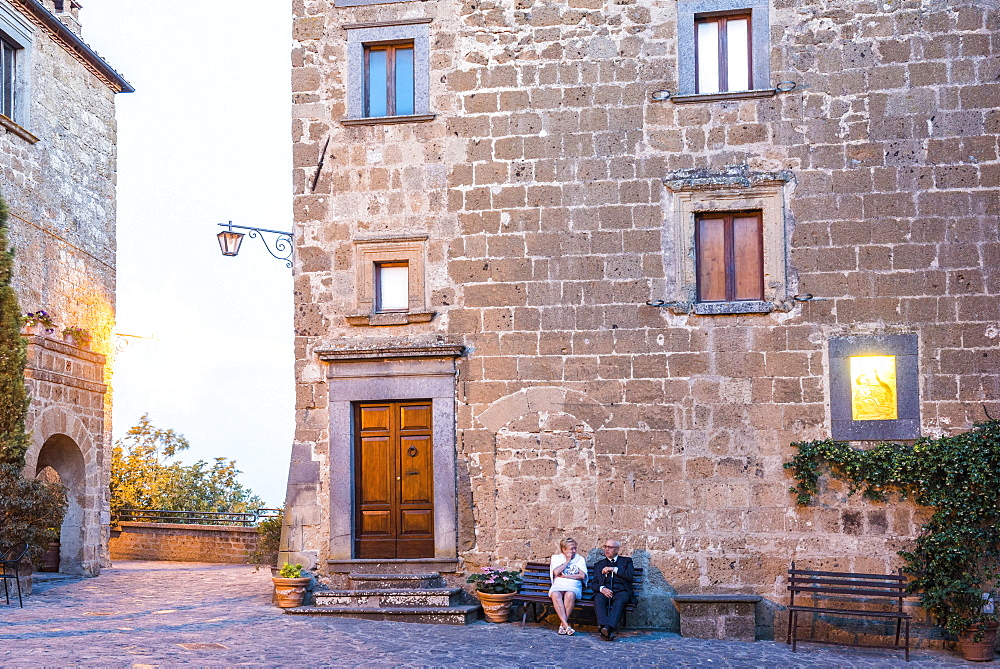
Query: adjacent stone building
{"x": 57, "y": 174}
{"x": 588, "y": 267}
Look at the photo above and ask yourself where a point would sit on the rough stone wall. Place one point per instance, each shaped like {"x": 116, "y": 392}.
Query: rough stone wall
{"x": 540, "y": 186}
{"x": 61, "y": 193}
{"x": 183, "y": 543}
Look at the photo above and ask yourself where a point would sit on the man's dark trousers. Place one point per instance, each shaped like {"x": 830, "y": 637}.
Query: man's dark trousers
{"x": 609, "y": 611}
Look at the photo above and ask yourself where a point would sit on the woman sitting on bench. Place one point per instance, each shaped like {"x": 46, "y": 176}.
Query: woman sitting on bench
{"x": 569, "y": 572}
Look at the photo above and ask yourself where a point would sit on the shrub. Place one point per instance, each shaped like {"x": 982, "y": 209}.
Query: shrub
{"x": 29, "y": 509}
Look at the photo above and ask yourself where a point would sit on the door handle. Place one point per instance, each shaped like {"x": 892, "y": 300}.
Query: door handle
{"x": 412, "y": 451}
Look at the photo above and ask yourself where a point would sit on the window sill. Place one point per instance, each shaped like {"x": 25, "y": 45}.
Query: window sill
{"x": 722, "y": 97}
{"x": 741, "y": 307}
{"x": 388, "y": 120}
{"x": 398, "y": 318}
{"x": 13, "y": 127}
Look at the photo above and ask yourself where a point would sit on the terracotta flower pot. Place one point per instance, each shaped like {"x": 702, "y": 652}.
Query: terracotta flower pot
{"x": 496, "y": 607}
{"x": 982, "y": 650}
{"x": 50, "y": 559}
{"x": 290, "y": 591}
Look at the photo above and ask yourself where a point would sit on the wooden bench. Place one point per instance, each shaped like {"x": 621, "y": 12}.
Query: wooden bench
{"x": 535, "y": 591}
{"x": 838, "y": 586}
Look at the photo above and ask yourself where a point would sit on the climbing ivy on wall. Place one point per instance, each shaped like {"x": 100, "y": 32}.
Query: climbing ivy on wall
{"x": 956, "y": 558}
{"x": 13, "y": 395}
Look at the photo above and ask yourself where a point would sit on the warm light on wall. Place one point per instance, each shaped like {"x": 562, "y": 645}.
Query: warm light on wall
{"x": 873, "y": 387}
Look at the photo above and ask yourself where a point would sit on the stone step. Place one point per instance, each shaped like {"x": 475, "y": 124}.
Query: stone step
{"x": 391, "y": 598}
{"x": 394, "y": 581}
{"x": 396, "y": 566}
{"x": 439, "y": 615}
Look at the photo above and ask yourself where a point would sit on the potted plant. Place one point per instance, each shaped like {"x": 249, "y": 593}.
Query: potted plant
{"x": 38, "y": 323}
{"x": 290, "y": 585}
{"x": 977, "y": 642}
{"x": 77, "y": 336}
{"x": 495, "y": 589}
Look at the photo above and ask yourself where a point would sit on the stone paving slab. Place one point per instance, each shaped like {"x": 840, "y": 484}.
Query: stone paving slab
{"x": 141, "y": 614}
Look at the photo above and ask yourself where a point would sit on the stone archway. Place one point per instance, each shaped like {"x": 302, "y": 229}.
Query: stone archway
{"x": 62, "y": 443}
{"x": 61, "y": 459}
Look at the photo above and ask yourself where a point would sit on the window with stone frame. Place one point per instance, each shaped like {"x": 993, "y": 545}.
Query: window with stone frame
{"x": 723, "y": 50}
{"x": 729, "y": 248}
{"x": 388, "y": 72}
{"x": 390, "y": 282}
{"x": 8, "y": 71}
{"x": 726, "y": 233}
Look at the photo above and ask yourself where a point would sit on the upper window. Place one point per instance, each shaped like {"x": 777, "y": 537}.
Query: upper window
{"x": 388, "y": 72}
{"x": 389, "y": 79}
{"x": 722, "y": 49}
{"x": 730, "y": 256}
{"x": 8, "y": 63}
{"x": 723, "y": 53}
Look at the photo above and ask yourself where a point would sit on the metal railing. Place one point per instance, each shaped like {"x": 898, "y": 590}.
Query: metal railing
{"x": 248, "y": 519}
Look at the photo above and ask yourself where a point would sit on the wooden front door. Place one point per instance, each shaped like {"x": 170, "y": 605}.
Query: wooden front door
{"x": 394, "y": 486}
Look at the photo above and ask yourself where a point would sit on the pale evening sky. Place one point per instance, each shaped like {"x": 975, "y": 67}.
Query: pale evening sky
{"x": 203, "y": 140}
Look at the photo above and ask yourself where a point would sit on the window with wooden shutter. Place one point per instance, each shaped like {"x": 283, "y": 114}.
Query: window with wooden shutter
{"x": 730, "y": 256}
{"x": 723, "y": 53}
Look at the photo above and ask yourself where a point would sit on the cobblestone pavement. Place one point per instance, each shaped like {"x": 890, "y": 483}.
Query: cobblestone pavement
{"x": 166, "y": 613}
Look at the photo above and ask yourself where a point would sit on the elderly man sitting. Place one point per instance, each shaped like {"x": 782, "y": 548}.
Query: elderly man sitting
{"x": 612, "y": 588}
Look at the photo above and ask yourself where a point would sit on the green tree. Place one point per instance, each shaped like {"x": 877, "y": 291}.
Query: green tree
{"x": 13, "y": 394}
{"x": 28, "y": 507}
{"x": 145, "y": 476}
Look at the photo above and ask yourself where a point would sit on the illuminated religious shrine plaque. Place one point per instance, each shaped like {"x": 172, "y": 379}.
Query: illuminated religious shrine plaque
{"x": 874, "y": 387}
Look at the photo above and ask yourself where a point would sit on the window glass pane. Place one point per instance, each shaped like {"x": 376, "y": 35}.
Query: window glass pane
{"x": 6, "y": 79}
{"x": 707, "y": 59}
{"x": 738, "y": 54}
{"x": 377, "y": 82}
{"x": 404, "y": 81}
{"x": 393, "y": 283}
{"x": 711, "y": 260}
{"x": 747, "y": 258}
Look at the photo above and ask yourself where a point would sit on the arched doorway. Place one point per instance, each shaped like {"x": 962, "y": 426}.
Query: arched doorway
{"x": 60, "y": 459}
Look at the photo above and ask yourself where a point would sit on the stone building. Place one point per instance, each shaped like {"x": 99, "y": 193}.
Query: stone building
{"x": 587, "y": 268}
{"x": 57, "y": 174}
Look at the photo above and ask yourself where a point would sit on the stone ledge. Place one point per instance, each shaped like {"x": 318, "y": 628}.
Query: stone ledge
{"x": 723, "y": 97}
{"x": 401, "y": 318}
{"x": 68, "y": 349}
{"x": 388, "y": 120}
{"x": 389, "y": 353}
{"x": 716, "y": 599}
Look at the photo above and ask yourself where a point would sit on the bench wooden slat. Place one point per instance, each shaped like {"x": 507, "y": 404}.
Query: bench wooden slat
{"x": 840, "y": 581}
{"x": 851, "y": 612}
{"x": 806, "y": 572}
{"x": 852, "y": 592}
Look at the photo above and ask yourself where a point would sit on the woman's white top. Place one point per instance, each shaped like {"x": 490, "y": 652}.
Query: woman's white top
{"x": 576, "y": 566}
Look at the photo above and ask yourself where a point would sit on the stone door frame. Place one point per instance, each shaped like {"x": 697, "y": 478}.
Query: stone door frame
{"x": 392, "y": 374}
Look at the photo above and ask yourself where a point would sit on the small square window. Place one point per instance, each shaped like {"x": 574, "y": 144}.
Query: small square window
{"x": 392, "y": 286}
{"x": 730, "y": 257}
{"x": 389, "y": 80}
{"x": 8, "y": 74}
{"x": 723, "y": 53}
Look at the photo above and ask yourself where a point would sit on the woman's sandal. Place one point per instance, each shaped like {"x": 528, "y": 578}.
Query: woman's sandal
{"x": 562, "y": 629}
{"x": 570, "y": 631}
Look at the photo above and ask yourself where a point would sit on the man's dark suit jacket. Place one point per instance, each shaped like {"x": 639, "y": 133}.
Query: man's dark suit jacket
{"x": 626, "y": 572}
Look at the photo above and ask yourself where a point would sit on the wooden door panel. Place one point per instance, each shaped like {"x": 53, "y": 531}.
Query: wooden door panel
{"x": 376, "y": 523}
{"x": 375, "y": 485}
{"x": 712, "y": 260}
{"x": 415, "y": 417}
{"x": 417, "y": 522}
{"x": 748, "y": 258}
{"x": 417, "y": 484}
{"x": 394, "y": 470}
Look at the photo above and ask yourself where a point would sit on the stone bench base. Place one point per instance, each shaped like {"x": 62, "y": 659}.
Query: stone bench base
{"x": 730, "y": 617}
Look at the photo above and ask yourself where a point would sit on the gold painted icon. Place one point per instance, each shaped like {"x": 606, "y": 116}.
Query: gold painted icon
{"x": 873, "y": 387}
